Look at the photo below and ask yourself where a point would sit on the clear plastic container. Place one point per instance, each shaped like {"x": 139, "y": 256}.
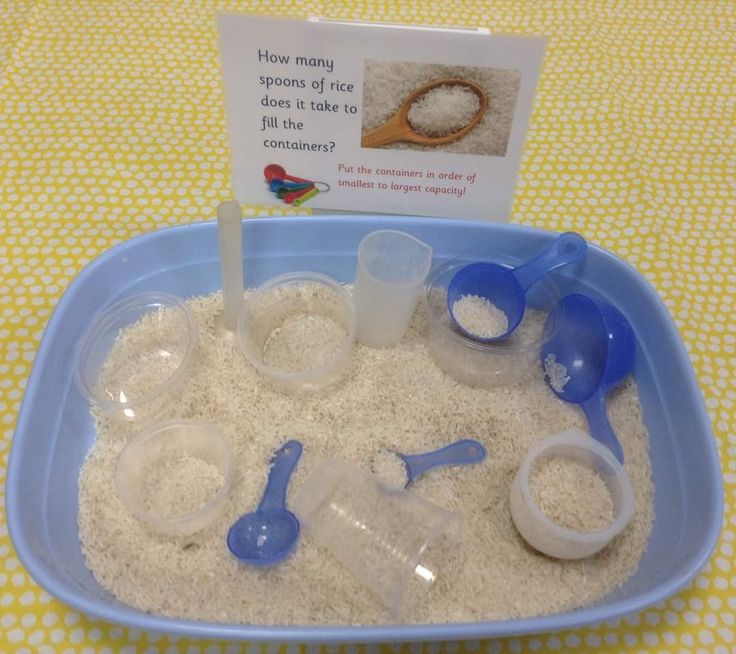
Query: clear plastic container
{"x": 298, "y": 296}
{"x": 389, "y": 276}
{"x": 540, "y": 531}
{"x": 196, "y": 455}
{"x": 397, "y": 544}
{"x": 510, "y": 360}
{"x": 137, "y": 379}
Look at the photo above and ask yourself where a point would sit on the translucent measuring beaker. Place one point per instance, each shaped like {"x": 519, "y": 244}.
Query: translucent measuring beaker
{"x": 394, "y": 542}
{"x": 390, "y": 273}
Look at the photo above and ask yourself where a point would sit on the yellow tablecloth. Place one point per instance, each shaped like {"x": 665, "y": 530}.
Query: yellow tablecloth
{"x": 112, "y": 123}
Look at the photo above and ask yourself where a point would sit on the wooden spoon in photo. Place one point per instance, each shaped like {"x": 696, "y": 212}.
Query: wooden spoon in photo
{"x": 398, "y": 128}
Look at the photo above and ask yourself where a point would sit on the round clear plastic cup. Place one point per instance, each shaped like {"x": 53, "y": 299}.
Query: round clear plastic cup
{"x": 397, "y": 544}
{"x": 137, "y": 379}
{"x": 390, "y": 273}
{"x": 511, "y": 360}
{"x": 540, "y": 531}
{"x": 168, "y": 447}
{"x": 297, "y": 295}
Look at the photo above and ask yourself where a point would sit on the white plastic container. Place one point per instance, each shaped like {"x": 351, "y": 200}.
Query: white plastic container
{"x": 161, "y": 445}
{"x": 397, "y": 544}
{"x": 297, "y": 294}
{"x": 540, "y": 531}
{"x": 389, "y": 276}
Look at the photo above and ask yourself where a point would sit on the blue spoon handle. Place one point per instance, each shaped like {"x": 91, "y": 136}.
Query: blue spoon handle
{"x": 283, "y": 463}
{"x": 461, "y": 452}
{"x": 600, "y": 428}
{"x": 567, "y": 248}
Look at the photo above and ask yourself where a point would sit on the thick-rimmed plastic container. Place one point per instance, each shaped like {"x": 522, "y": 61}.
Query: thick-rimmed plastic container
{"x": 137, "y": 388}
{"x": 297, "y": 294}
{"x": 543, "y": 533}
{"x": 484, "y": 365}
{"x": 165, "y": 444}
{"x": 396, "y": 543}
{"x": 55, "y": 432}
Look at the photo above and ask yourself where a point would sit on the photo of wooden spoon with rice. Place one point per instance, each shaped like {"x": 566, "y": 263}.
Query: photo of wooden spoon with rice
{"x": 431, "y": 107}
{"x": 434, "y": 114}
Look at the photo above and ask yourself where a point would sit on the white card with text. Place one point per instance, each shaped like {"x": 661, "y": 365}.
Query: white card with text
{"x": 376, "y": 118}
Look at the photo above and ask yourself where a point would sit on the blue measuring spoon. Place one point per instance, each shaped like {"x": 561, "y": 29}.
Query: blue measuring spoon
{"x": 276, "y": 185}
{"x": 596, "y": 344}
{"x": 268, "y": 535}
{"x": 459, "y": 453}
{"x": 506, "y": 287}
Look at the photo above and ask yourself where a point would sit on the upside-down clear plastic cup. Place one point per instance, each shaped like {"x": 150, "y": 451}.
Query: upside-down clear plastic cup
{"x": 296, "y": 294}
{"x": 137, "y": 378}
{"x": 513, "y": 359}
{"x": 543, "y": 533}
{"x": 165, "y": 444}
{"x": 390, "y": 272}
{"x": 396, "y": 543}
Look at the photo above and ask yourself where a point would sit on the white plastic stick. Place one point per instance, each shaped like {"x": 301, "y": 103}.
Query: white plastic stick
{"x": 231, "y": 261}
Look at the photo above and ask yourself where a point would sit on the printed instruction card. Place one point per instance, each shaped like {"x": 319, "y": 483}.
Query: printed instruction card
{"x": 374, "y": 118}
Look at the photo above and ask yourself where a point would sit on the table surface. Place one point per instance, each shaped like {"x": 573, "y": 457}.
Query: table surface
{"x": 112, "y": 124}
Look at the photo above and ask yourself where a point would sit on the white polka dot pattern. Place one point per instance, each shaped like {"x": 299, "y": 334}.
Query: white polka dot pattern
{"x": 112, "y": 124}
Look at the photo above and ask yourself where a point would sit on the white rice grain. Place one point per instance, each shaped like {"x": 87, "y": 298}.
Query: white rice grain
{"x": 480, "y": 317}
{"x": 555, "y": 372}
{"x": 443, "y": 110}
{"x": 392, "y": 398}
{"x": 180, "y": 486}
{"x": 389, "y": 468}
{"x": 303, "y": 342}
{"x": 571, "y": 494}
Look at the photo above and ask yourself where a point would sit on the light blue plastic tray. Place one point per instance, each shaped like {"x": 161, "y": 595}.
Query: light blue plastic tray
{"x": 55, "y": 431}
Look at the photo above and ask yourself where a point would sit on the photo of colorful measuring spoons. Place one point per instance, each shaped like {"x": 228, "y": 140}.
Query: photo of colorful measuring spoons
{"x": 290, "y": 189}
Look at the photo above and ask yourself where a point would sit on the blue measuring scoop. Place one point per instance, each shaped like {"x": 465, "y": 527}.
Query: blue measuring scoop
{"x": 269, "y": 534}
{"x": 505, "y": 287}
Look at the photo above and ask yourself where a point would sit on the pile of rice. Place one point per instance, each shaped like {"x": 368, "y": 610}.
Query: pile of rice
{"x": 443, "y": 110}
{"x": 571, "y": 494}
{"x": 395, "y": 399}
{"x": 556, "y": 373}
{"x": 480, "y": 317}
